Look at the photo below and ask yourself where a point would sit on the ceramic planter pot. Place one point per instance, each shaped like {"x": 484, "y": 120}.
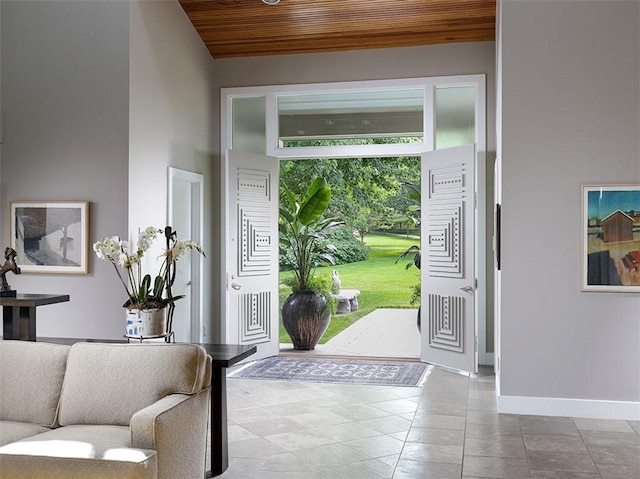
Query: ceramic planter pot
{"x": 145, "y": 322}
{"x": 305, "y": 317}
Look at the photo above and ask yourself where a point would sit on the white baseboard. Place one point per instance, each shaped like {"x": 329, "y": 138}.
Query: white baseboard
{"x": 595, "y": 409}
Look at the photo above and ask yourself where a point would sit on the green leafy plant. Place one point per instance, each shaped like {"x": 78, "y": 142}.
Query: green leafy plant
{"x": 349, "y": 249}
{"x": 320, "y": 283}
{"x": 302, "y": 226}
{"x": 413, "y": 251}
{"x": 415, "y": 294}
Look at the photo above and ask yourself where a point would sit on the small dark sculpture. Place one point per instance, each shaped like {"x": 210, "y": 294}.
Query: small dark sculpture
{"x": 9, "y": 265}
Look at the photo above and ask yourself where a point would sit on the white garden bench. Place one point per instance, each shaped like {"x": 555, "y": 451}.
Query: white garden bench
{"x": 347, "y": 300}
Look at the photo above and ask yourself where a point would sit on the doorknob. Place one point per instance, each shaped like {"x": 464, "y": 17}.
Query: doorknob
{"x": 236, "y": 286}
{"x": 189, "y": 283}
{"x": 468, "y": 289}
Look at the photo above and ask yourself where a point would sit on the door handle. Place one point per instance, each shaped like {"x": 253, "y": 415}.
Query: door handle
{"x": 467, "y": 289}
{"x": 236, "y": 286}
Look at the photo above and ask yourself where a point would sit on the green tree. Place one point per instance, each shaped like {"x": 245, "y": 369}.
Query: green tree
{"x": 366, "y": 192}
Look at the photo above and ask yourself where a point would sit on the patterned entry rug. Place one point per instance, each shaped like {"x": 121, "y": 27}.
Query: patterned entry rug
{"x": 341, "y": 371}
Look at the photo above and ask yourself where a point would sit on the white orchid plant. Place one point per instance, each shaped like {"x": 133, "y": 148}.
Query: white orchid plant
{"x": 141, "y": 293}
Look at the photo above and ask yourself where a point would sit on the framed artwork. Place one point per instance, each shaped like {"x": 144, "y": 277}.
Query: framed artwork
{"x": 51, "y": 236}
{"x": 611, "y": 238}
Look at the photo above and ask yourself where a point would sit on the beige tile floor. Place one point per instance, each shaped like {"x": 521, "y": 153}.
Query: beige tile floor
{"x": 449, "y": 428}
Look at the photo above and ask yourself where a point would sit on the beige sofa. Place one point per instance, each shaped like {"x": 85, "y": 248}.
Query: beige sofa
{"x": 95, "y": 410}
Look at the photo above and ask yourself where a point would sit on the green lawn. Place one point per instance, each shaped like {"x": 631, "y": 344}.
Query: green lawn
{"x": 382, "y": 283}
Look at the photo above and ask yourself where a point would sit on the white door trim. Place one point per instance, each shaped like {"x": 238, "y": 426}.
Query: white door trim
{"x": 196, "y": 183}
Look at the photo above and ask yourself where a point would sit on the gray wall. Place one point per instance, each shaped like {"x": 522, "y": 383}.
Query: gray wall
{"x": 570, "y": 116}
{"x": 376, "y": 64}
{"x": 171, "y": 121}
{"x": 65, "y": 99}
{"x": 1, "y": 118}
{"x": 100, "y": 97}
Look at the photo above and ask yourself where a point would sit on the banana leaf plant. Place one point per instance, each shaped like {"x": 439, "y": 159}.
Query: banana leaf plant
{"x": 413, "y": 189}
{"x": 302, "y": 229}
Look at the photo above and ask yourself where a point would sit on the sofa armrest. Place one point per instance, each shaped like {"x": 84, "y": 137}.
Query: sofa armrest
{"x": 176, "y": 428}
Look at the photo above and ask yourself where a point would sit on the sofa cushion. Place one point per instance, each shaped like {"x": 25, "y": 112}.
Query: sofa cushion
{"x": 108, "y": 383}
{"x": 11, "y": 431}
{"x": 73, "y": 441}
{"x": 77, "y": 452}
{"x": 33, "y": 371}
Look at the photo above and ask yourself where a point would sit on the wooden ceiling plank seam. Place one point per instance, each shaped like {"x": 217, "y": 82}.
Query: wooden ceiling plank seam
{"x": 320, "y": 48}
{"x": 276, "y": 30}
{"x": 346, "y": 33}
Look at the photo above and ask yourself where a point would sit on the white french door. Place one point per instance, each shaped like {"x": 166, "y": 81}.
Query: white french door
{"x": 252, "y": 249}
{"x": 447, "y": 273}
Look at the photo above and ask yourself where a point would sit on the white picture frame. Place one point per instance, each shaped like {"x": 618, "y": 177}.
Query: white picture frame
{"x": 51, "y": 236}
{"x": 611, "y": 238}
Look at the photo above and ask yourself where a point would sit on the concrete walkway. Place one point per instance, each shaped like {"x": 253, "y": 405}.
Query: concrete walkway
{"x": 389, "y": 333}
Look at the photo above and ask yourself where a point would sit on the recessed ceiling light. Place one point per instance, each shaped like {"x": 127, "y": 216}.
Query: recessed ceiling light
{"x": 271, "y": 2}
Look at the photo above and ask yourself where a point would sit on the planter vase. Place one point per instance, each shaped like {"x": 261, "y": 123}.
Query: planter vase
{"x": 305, "y": 317}
{"x": 145, "y": 322}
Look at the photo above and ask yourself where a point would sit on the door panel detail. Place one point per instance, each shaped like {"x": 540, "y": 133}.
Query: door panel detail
{"x": 254, "y": 184}
{"x": 446, "y": 182}
{"x": 255, "y": 317}
{"x": 446, "y": 318}
{"x": 254, "y": 247}
{"x": 251, "y": 254}
{"x": 447, "y": 274}
{"x": 445, "y": 221}
{"x": 444, "y": 250}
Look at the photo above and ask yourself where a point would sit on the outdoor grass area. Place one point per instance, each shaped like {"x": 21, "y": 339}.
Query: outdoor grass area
{"x": 382, "y": 283}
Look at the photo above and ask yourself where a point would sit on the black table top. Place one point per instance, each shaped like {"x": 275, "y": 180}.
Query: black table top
{"x": 30, "y": 300}
{"x": 223, "y": 355}
{"x": 229, "y": 354}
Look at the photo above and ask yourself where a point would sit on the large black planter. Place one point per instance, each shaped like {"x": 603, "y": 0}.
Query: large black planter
{"x": 305, "y": 316}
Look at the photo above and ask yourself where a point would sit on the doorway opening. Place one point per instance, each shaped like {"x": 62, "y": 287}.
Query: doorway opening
{"x": 376, "y": 290}
{"x": 444, "y": 113}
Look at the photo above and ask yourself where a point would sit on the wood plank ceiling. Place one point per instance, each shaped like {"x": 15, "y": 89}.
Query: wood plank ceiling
{"x": 237, "y": 28}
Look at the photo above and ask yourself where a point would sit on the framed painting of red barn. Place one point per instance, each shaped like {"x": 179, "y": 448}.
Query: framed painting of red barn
{"x": 611, "y": 238}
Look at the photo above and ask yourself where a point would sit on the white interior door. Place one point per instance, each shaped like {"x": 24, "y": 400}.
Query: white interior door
{"x": 185, "y": 217}
{"x": 252, "y": 250}
{"x": 447, "y": 274}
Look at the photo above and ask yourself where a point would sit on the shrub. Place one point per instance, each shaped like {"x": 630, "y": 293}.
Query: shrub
{"x": 320, "y": 283}
{"x": 348, "y": 249}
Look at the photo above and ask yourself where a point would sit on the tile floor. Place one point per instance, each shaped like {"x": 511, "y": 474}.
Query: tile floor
{"x": 449, "y": 428}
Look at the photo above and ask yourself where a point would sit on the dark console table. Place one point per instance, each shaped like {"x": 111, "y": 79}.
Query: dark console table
{"x": 21, "y": 311}
{"x": 224, "y": 356}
